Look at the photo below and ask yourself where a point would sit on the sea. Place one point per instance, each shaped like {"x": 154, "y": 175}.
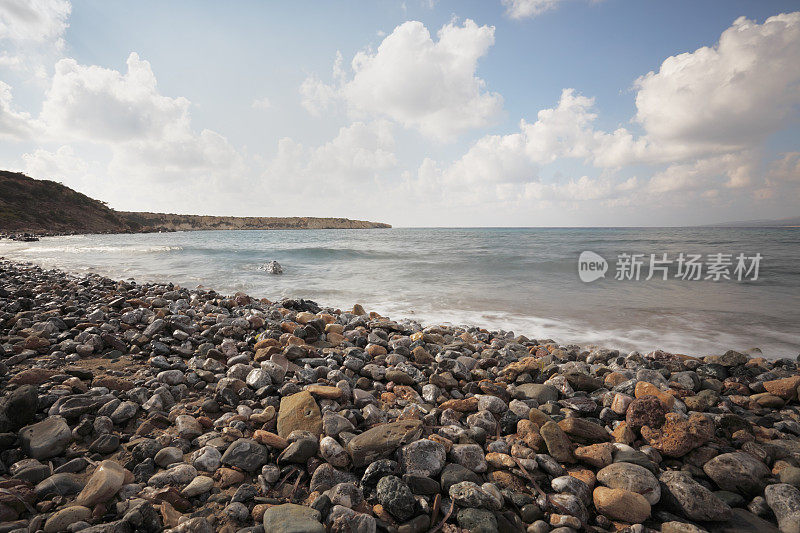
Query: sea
{"x": 709, "y": 289}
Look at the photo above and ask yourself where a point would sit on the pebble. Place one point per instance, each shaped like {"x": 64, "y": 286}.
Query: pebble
{"x": 291, "y": 518}
{"x": 621, "y": 504}
{"x": 230, "y": 413}
{"x": 105, "y": 482}
{"x": 46, "y": 439}
{"x": 784, "y": 500}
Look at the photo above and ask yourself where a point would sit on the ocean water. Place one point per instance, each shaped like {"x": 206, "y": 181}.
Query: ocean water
{"x": 520, "y": 280}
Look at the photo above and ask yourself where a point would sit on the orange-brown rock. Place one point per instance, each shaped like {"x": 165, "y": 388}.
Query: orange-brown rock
{"x": 523, "y": 366}
{"x": 304, "y": 317}
{"x": 227, "y": 477}
{"x": 324, "y": 391}
{"x": 421, "y": 355}
{"x": 113, "y": 383}
{"x": 584, "y": 474}
{"x": 266, "y": 343}
{"x": 444, "y": 441}
{"x": 35, "y": 376}
{"x": 539, "y": 417}
{"x": 270, "y": 439}
{"x": 621, "y": 504}
{"x": 264, "y": 354}
{"x": 506, "y": 480}
{"x": 597, "y": 455}
{"x": 335, "y": 339}
{"x": 404, "y": 392}
{"x": 529, "y": 433}
{"x": 644, "y": 388}
{"x": 375, "y": 350}
{"x": 289, "y": 327}
{"x": 299, "y": 411}
{"x": 678, "y": 436}
{"x": 462, "y": 405}
{"x": 34, "y": 342}
{"x": 785, "y": 388}
{"x": 583, "y": 429}
{"x": 623, "y": 434}
{"x": 613, "y": 379}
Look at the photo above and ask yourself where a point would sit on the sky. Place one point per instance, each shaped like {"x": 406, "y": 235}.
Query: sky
{"x": 415, "y": 112}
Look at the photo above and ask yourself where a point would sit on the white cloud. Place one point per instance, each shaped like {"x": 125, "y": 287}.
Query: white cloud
{"x": 35, "y": 21}
{"x": 150, "y": 135}
{"x": 520, "y": 9}
{"x": 729, "y": 170}
{"x": 705, "y": 117}
{"x": 420, "y": 83}
{"x": 43, "y": 164}
{"x": 360, "y": 153}
{"x": 262, "y": 104}
{"x": 562, "y": 131}
{"x": 14, "y": 125}
{"x": 95, "y": 103}
{"x": 31, "y": 33}
{"x": 726, "y": 97}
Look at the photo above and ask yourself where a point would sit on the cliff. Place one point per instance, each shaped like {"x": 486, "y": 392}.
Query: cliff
{"x": 47, "y": 207}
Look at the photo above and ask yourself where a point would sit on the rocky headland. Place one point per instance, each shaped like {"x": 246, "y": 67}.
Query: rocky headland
{"x": 43, "y": 207}
{"x": 147, "y": 407}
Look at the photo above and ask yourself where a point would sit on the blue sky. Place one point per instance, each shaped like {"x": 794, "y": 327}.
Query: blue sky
{"x": 439, "y": 144}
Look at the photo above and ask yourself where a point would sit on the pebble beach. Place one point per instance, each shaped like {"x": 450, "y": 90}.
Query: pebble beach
{"x": 149, "y": 407}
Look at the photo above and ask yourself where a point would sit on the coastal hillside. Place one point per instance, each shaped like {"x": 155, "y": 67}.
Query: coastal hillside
{"x": 172, "y": 222}
{"x": 43, "y": 206}
{"x": 28, "y": 205}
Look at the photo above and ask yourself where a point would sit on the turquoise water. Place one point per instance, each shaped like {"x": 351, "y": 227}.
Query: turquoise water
{"x": 523, "y": 280}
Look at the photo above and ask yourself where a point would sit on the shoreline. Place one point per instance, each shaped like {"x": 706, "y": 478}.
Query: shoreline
{"x": 11, "y": 235}
{"x": 208, "y": 412}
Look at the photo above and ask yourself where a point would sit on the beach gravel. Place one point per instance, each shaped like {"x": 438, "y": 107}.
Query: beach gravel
{"x": 146, "y": 407}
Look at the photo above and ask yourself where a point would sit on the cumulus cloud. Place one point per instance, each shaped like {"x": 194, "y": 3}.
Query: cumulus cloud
{"x": 420, "y": 83}
{"x": 91, "y": 102}
{"x": 728, "y": 96}
{"x": 358, "y": 154}
{"x": 704, "y": 115}
{"x": 44, "y": 164}
{"x": 150, "y": 134}
{"x": 562, "y": 131}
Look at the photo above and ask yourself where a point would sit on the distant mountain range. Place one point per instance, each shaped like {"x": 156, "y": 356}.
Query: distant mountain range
{"x": 778, "y": 223}
{"x": 28, "y": 205}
